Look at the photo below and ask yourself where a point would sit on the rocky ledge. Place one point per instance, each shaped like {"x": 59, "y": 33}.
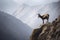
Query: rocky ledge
{"x": 48, "y": 31}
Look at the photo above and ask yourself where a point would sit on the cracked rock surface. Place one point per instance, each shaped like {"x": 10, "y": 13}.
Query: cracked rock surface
{"x": 48, "y": 31}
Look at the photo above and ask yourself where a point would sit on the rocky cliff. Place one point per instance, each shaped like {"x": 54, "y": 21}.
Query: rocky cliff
{"x": 48, "y": 31}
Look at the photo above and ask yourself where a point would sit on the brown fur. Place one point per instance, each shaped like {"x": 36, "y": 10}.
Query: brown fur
{"x": 45, "y": 16}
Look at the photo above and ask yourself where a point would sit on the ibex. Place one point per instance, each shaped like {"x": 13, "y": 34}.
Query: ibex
{"x": 45, "y": 16}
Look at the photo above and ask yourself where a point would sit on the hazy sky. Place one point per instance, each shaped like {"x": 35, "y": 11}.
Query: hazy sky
{"x": 35, "y": 2}
{"x": 26, "y": 10}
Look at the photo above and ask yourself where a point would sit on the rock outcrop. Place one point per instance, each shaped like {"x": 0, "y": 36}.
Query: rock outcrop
{"x": 48, "y": 31}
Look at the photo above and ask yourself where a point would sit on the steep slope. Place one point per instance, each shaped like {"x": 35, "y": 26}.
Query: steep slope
{"x": 48, "y": 31}
{"x": 12, "y": 28}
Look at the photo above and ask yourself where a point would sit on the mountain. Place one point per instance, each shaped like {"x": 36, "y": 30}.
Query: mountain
{"x": 48, "y": 31}
{"x": 12, "y": 28}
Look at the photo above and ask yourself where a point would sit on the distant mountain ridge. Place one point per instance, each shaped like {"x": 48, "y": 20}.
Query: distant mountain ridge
{"x": 13, "y": 29}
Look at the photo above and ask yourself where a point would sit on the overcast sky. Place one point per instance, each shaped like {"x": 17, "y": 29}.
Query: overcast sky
{"x": 26, "y": 10}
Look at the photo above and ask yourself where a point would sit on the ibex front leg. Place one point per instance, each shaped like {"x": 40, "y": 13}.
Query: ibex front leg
{"x": 43, "y": 21}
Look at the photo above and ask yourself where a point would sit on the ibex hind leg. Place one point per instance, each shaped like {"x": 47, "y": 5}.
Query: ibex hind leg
{"x": 47, "y": 20}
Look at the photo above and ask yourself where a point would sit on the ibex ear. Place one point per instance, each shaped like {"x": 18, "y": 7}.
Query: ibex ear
{"x": 38, "y": 15}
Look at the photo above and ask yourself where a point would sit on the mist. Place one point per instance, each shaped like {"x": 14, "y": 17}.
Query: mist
{"x": 27, "y": 10}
